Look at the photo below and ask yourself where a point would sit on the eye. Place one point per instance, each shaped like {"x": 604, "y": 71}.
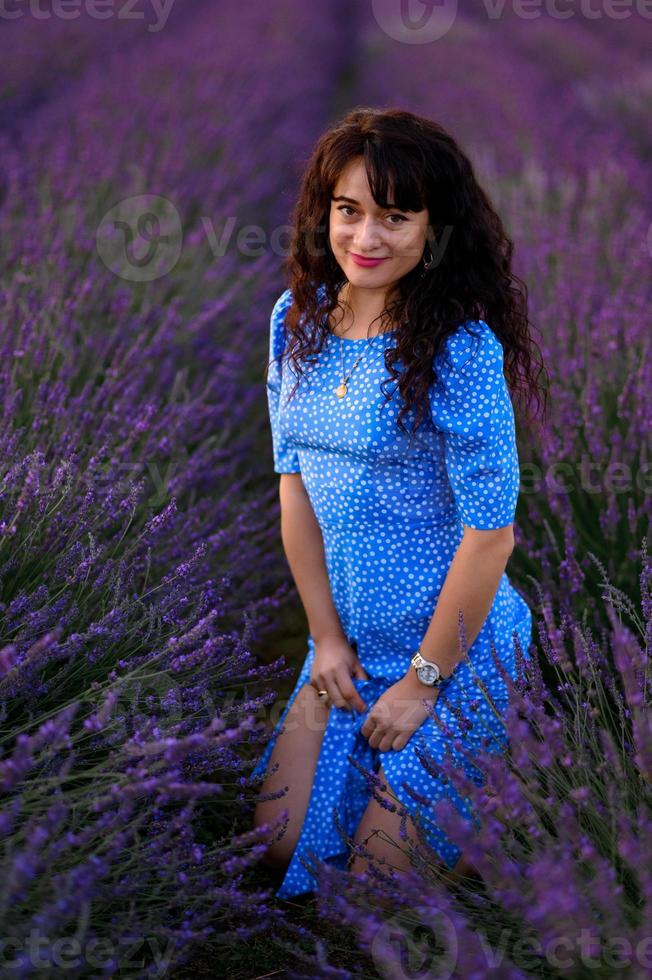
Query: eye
{"x": 347, "y": 207}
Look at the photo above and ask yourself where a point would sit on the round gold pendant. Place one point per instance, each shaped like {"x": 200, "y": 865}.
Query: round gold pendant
{"x": 341, "y": 390}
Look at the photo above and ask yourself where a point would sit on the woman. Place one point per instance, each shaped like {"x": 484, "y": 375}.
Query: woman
{"x": 399, "y": 272}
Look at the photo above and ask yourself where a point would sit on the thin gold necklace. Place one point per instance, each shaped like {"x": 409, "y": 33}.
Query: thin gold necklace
{"x": 342, "y": 388}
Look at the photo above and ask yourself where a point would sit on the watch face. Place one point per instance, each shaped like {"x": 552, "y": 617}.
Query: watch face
{"x": 428, "y": 674}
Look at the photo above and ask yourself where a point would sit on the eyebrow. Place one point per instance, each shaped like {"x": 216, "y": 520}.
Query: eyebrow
{"x": 341, "y": 197}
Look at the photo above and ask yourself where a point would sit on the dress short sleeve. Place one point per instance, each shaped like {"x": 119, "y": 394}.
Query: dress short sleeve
{"x": 471, "y": 405}
{"x": 286, "y": 459}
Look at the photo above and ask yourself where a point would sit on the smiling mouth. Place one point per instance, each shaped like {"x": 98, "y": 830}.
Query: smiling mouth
{"x": 369, "y": 258}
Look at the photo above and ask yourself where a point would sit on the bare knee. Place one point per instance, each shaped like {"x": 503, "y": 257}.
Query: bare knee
{"x": 276, "y": 858}
{"x": 282, "y": 837}
{"x": 462, "y": 869}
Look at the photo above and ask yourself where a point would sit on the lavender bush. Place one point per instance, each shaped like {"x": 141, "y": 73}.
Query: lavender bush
{"x": 574, "y": 194}
{"x": 562, "y": 839}
{"x": 137, "y": 534}
{"x": 139, "y": 557}
{"x": 562, "y": 826}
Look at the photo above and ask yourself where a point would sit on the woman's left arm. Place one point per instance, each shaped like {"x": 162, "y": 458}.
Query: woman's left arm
{"x": 471, "y": 584}
{"x": 471, "y": 407}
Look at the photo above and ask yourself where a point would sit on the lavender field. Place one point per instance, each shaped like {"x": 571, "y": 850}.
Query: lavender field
{"x": 149, "y": 626}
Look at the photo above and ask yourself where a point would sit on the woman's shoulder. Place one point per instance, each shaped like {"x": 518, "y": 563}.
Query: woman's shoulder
{"x": 282, "y": 304}
{"x": 277, "y": 322}
{"x": 472, "y": 346}
{"x": 280, "y": 308}
{"x": 284, "y": 301}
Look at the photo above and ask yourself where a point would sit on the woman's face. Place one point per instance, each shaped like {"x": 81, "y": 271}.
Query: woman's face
{"x": 358, "y": 227}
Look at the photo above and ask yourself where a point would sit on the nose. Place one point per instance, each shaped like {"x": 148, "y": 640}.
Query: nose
{"x": 368, "y": 238}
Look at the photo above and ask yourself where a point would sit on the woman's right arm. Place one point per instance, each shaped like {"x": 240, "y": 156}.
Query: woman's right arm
{"x": 335, "y": 659}
{"x": 304, "y": 549}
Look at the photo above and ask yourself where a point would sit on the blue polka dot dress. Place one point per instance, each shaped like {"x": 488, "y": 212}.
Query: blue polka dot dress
{"x": 391, "y": 511}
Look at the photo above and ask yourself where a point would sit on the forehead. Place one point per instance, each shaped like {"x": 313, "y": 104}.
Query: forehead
{"x": 354, "y": 182}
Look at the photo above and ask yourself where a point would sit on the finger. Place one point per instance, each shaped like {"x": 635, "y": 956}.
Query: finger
{"x": 369, "y": 724}
{"x": 375, "y": 722}
{"x": 360, "y": 672}
{"x": 377, "y": 736}
{"x": 335, "y": 694}
{"x": 387, "y": 741}
{"x": 400, "y": 742}
{"x": 319, "y": 684}
{"x": 349, "y": 691}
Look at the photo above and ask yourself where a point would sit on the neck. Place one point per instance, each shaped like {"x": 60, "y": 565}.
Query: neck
{"x": 362, "y": 310}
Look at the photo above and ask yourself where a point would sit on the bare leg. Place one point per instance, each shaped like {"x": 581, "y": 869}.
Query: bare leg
{"x": 296, "y": 751}
{"x": 377, "y": 821}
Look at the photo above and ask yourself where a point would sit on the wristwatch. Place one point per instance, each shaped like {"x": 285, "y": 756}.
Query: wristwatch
{"x": 428, "y": 672}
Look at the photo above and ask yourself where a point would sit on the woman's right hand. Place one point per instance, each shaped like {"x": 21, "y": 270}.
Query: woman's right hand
{"x": 334, "y": 664}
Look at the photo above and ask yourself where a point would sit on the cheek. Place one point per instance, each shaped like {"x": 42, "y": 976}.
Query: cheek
{"x": 411, "y": 246}
{"x": 336, "y": 234}
{"x": 339, "y": 232}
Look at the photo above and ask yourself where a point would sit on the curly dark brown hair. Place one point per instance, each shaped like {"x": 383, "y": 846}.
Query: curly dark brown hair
{"x": 423, "y": 167}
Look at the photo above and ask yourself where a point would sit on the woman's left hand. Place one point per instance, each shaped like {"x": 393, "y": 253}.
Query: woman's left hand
{"x": 397, "y": 714}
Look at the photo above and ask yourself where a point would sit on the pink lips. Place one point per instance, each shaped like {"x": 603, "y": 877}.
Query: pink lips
{"x": 365, "y": 263}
